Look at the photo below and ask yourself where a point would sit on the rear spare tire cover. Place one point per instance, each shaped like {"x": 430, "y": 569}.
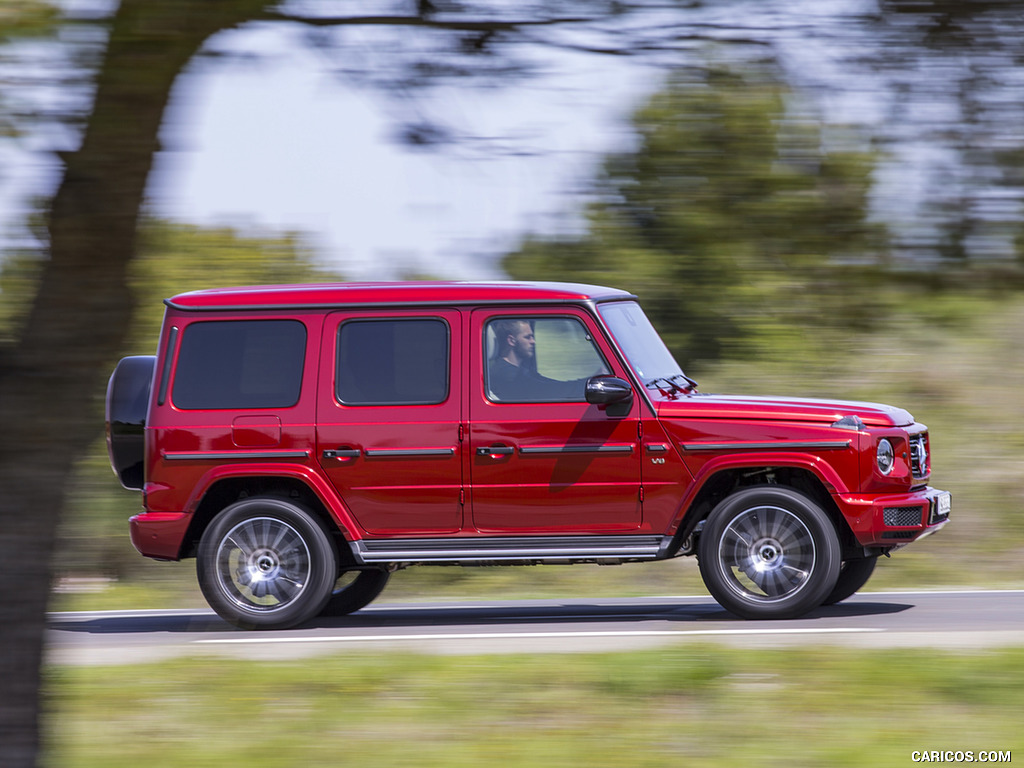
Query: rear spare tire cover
{"x": 127, "y": 403}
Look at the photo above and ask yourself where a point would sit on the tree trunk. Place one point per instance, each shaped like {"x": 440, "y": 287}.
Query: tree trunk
{"x": 52, "y": 379}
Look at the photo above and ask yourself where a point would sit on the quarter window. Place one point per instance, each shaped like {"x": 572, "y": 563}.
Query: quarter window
{"x": 238, "y": 364}
{"x": 393, "y": 362}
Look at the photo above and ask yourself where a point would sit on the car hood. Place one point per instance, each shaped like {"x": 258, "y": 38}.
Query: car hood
{"x": 701, "y": 406}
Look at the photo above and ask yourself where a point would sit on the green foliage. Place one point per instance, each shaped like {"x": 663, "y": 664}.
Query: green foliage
{"x": 730, "y": 218}
{"x": 26, "y": 19}
{"x": 19, "y": 275}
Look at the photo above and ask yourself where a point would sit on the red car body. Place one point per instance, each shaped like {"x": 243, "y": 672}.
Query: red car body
{"x": 370, "y": 409}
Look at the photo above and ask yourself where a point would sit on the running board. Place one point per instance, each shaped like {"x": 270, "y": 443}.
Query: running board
{"x": 510, "y": 548}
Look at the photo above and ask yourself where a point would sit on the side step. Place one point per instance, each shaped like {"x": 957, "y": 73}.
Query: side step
{"x": 484, "y": 549}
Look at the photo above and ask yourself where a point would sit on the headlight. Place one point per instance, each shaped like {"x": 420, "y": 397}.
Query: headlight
{"x": 885, "y": 456}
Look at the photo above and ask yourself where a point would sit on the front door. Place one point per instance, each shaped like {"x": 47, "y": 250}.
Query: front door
{"x": 543, "y": 460}
{"x": 389, "y": 416}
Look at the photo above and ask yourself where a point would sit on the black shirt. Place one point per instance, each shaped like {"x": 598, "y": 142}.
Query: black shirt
{"x": 518, "y": 383}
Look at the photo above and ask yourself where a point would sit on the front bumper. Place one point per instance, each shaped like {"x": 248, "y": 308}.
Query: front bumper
{"x": 895, "y": 520}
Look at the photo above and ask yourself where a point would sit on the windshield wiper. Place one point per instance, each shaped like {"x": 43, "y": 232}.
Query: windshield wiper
{"x": 662, "y": 383}
{"x": 671, "y": 385}
{"x": 690, "y": 383}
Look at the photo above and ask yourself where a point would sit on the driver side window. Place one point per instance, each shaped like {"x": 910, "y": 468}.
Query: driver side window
{"x": 540, "y": 359}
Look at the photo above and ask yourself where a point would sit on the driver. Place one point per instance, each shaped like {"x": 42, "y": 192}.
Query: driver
{"x": 512, "y": 370}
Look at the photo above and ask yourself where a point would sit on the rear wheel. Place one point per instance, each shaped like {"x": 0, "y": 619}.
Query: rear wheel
{"x": 853, "y": 575}
{"x": 266, "y": 563}
{"x": 355, "y": 590}
{"x": 769, "y": 553}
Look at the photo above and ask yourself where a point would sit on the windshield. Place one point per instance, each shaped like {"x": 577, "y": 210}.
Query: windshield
{"x": 642, "y": 346}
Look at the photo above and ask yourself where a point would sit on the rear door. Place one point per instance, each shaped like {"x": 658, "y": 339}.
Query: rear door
{"x": 543, "y": 460}
{"x": 389, "y": 410}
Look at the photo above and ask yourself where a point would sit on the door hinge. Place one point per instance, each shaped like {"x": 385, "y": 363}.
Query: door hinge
{"x": 641, "y": 494}
{"x": 639, "y": 430}
{"x": 462, "y": 496}
{"x": 462, "y": 432}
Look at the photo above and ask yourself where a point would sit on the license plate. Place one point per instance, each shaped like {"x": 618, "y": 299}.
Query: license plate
{"x": 943, "y": 504}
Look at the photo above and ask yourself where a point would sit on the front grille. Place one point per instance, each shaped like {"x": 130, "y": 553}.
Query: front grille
{"x": 899, "y": 534}
{"x": 901, "y": 516}
{"x": 919, "y": 455}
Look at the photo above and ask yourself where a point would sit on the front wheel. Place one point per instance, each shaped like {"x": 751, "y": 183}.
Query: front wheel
{"x": 266, "y": 563}
{"x": 769, "y": 553}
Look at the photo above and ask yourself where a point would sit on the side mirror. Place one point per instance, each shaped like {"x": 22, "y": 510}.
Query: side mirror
{"x": 608, "y": 390}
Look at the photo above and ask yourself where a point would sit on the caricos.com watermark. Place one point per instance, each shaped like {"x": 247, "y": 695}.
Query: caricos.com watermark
{"x": 960, "y": 756}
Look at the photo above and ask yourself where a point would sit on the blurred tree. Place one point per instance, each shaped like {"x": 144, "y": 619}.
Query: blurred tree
{"x": 52, "y": 370}
{"x": 729, "y": 218}
{"x": 944, "y": 77}
{"x": 50, "y": 375}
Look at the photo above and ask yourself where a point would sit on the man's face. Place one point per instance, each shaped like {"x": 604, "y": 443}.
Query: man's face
{"x": 523, "y": 341}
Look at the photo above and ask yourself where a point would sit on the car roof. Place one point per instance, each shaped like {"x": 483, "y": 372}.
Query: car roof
{"x": 328, "y": 295}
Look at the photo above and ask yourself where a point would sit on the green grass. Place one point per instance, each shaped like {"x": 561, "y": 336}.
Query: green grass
{"x": 695, "y": 704}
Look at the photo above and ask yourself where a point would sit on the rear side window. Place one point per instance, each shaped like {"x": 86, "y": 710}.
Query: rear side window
{"x": 240, "y": 364}
{"x": 393, "y": 362}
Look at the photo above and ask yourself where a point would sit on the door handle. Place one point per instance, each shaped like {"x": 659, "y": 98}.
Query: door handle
{"x": 496, "y": 450}
{"x": 342, "y": 453}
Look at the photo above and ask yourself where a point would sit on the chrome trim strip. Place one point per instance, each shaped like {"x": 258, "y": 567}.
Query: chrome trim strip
{"x": 499, "y": 542}
{"x": 781, "y": 445}
{"x": 395, "y": 453}
{"x": 645, "y": 553}
{"x": 509, "y": 548}
{"x": 542, "y": 450}
{"x": 231, "y": 455}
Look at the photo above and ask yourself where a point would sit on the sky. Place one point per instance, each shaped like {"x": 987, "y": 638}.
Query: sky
{"x": 281, "y": 144}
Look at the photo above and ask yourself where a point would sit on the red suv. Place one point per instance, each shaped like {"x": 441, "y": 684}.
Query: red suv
{"x": 304, "y": 442}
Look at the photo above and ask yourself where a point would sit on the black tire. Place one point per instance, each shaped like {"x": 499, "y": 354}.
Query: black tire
{"x": 351, "y": 594}
{"x": 266, "y": 563}
{"x": 853, "y": 574}
{"x": 769, "y": 553}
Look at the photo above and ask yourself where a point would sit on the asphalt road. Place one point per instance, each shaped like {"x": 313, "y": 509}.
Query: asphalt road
{"x": 953, "y": 620}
